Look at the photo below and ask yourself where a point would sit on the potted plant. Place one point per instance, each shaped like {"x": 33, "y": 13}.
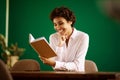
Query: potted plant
{"x": 10, "y": 53}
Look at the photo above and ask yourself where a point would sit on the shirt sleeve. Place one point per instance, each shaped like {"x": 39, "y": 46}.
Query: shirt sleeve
{"x": 53, "y": 43}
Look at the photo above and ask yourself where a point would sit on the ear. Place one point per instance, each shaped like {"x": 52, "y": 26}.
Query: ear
{"x": 70, "y": 22}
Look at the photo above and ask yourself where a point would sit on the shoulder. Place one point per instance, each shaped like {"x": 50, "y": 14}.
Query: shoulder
{"x": 80, "y": 34}
{"x": 82, "y": 37}
{"x": 84, "y": 34}
{"x": 53, "y": 36}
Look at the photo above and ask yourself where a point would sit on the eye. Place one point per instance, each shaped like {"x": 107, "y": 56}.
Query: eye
{"x": 60, "y": 23}
{"x": 55, "y": 24}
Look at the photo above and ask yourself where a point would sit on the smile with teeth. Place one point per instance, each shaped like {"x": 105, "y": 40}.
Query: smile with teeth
{"x": 61, "y": 31}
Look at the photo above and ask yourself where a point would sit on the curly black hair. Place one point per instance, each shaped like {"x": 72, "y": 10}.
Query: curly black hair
{"x": 63, "y": 12}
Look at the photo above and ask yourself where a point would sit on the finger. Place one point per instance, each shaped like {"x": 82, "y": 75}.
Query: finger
{"x": 63, "y": 38}
{"x": 39, "y": 56}
{"x": 43, "y": 58}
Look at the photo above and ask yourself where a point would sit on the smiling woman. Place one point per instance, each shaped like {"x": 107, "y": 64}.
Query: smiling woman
{"x": 70, "y": 44}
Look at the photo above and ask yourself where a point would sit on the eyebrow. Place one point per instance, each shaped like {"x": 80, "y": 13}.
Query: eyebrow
{"x": 60, "y": 22}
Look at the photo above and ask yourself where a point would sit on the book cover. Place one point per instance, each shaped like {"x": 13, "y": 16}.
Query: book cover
{"x": 41, "y": 46}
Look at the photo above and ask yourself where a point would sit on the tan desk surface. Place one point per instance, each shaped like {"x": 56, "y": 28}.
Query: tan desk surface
{"x": 53, "y": 75}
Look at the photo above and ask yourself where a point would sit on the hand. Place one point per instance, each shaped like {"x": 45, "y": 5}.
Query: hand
{"x": 62, "y": 39}
{"x": 48, "y": 61}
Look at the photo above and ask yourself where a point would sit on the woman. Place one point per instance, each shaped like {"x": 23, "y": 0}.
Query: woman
{"x": 69, "y": 44}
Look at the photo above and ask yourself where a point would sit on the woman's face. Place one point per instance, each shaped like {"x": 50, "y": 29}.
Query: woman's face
{"x": 61, "y": 25}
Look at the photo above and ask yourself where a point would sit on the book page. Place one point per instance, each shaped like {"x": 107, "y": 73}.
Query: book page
{"x": 31, "y": 38}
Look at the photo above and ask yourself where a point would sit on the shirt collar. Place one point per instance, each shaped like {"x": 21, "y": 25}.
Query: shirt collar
{"x": 74, "y": 33}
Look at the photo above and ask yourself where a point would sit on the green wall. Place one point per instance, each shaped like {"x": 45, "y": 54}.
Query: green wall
{"x": 32, "y": 16}
{"x": 2, "y": 16}
{"x": 2, "y": 19}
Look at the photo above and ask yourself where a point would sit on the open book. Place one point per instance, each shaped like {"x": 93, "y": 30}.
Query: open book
{"x": 41, "y": 46}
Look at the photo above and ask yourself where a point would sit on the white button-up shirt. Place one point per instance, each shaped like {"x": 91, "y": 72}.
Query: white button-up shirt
{"x": 71, "y": 57}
